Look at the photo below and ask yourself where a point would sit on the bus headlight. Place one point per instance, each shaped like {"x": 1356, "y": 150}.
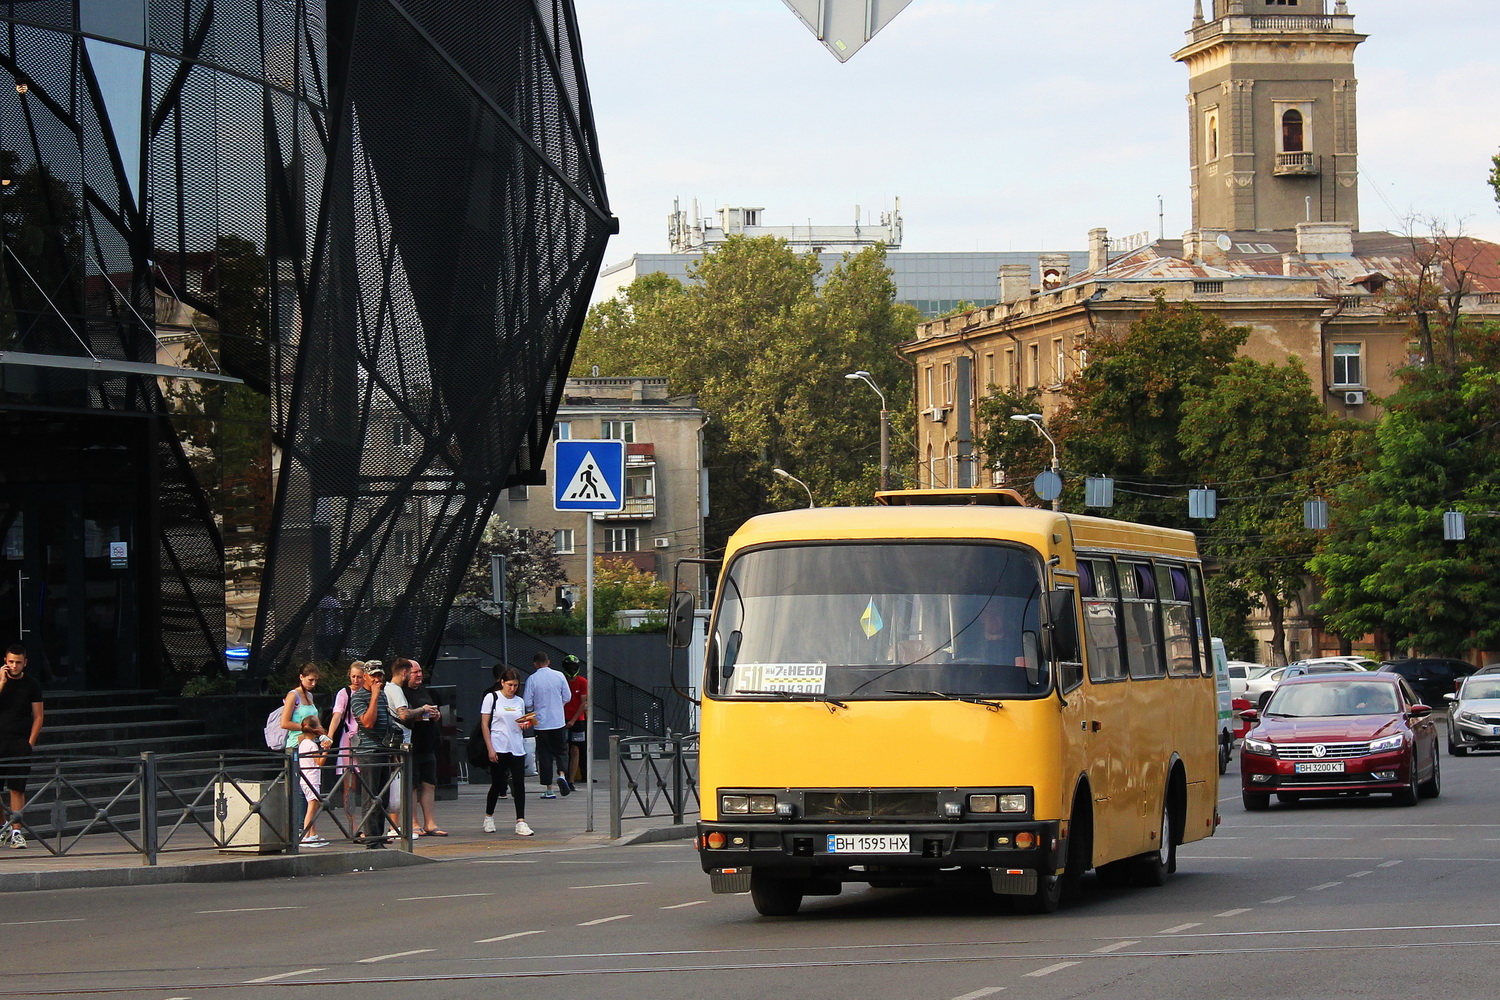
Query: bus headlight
{"x": 734, "y": 805}
{"x": 1013, "y": 802}
{"x": 763, "y": 804}
{"x": 990, "y": 802}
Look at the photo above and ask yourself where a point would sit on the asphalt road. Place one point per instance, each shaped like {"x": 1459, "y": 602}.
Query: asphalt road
{"x": 1322, "y": 900}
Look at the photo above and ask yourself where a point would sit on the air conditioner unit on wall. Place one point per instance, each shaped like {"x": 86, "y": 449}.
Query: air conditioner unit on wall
{"x": 938, "y": 414}
{"x": 661, "y": 542}
{"x": 1354, "y": 398}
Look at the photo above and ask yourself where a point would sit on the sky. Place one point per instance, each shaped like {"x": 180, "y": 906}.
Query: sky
{"x": 1000, "y": 124}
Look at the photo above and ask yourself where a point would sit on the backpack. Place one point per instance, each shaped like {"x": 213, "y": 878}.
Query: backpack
{"x": 275, "y": 735}
{"x": 478, "y": 751}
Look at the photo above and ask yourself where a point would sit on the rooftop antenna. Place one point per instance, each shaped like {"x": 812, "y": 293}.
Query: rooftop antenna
{"x": 1161, "y": 219}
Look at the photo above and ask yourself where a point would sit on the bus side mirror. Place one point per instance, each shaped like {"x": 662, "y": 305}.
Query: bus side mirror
{"x": 1062, "y": 626}
{"x": 680, "y": 620}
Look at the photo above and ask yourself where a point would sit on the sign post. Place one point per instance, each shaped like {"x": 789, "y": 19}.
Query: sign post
{"x": 590, "y": 477}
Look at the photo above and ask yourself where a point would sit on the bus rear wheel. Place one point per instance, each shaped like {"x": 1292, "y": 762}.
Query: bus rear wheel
{"x": 773, "y": 896}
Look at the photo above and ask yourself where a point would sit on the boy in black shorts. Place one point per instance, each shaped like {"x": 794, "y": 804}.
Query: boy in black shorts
{"x": 20, "y": 725}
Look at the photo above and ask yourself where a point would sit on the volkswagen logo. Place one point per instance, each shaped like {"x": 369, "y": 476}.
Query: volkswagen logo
{"x": 1319, "y": 750}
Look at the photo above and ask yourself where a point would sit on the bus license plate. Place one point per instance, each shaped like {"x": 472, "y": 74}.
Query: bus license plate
{"x": 873, "y": 843}
{"x": 1321, "y": 767}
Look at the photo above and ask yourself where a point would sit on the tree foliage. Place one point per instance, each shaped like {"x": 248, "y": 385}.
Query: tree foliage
{"x": 531, "y": 564}
{"x": 1011, "y": 446}
{"x": 765, "y": 349}
{"x": 1121, "y": 414}
{"x": 1386, "y": 567}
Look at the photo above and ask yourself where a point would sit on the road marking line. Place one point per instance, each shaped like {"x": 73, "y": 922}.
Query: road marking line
{"x": 27, "y": 923}
{"x": 1050, "y": 969}
{"x": 605, "y": 920}
{"x": 504, "y": 861}
{"x": 1179, "y": 928}
{"x": 1278, "y": 899}
{"x": 678, "y": 906}
{"x": 253, "y": 909}
{"x": 1359, "y": 874}
{"x": 980, "y": 993}
{"x": 1313, "y": 838}
{"x": 1233, "y": 913}
{"x": 608, "y": 885}
{"x": 283, "y": 975}
{"x": 1388, "y": 864}
{"x": 398, "y": 954}
{"x": 507, "y": 937}
{"x": 1325, "y": 885}
{"x": 456, "y": 895}
{"x": 1443, "y": 839}
{"x": 1113, "y": 947}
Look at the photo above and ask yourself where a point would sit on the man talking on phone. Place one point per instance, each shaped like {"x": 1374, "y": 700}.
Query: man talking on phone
{"x": 20, "y": 726}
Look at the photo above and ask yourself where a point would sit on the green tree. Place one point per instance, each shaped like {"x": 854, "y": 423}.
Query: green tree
{"x": 1252, "y": 434}
{"x": 619, "y": 585}
{"x": 531, "y": 564}
{"x": 765, "y": 351}
{"x": 1495, "y": 176}
{"x": 1121, "y": 414}
{"x": 1385, "y": 566}
{"x": 1008, "y": 445}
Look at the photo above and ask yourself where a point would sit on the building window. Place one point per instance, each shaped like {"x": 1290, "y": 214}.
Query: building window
{"x": 1034, "y": 366}
{"x": 1292, "y": 131}
{"x": 401, "y": 434}
{"x": 562, "y": 541}
{"x": 947, "y": 383}
{"x": 1010, "y": 368}
{"x": 639, "y": 484}
{"x": 1059, "y": 360}
{"x": 1211, "y": 136}
{"x": 562, "y": 430}
{"x": 1346, "y": 366}
{"x": 1208, "y": 287}
{"x": 622, "y": 539}
{"x": 927, "y": 380}
{"x": 617, "y": 430}
{"x": 516, "y": 493}
{"x": 989, "y": 373}
{"x": 404, "y": 545}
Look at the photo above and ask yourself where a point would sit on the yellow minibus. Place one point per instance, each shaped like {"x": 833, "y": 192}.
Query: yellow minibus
{"x": 952, "y": 686}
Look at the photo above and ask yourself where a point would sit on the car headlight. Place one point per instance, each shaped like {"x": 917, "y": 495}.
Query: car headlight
{"x": 1258, "y": 746}
{"x": 1389, "y": 743}
{"x": 1473, "y": 717}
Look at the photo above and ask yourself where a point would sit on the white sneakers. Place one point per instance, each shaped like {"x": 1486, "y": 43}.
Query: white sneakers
{"x": 17, "y": 839}
{"x": 489, "y": 824}
{"x": 522, "y": 830}
{"x": 314, "y": 841}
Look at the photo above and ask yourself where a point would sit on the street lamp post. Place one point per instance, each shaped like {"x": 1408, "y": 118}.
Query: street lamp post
{"x": 787, "y": 475}
{"x": 1035, "y": 420}
{"x": 885, "y": 427}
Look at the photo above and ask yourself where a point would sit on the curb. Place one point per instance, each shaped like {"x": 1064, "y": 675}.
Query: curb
{"x": 212, "y": 871}
{"x": 656, "y": 834}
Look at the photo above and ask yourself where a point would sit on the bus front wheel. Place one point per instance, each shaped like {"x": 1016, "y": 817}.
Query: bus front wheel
{"x": 775, "y": 897}
{"x": 1153, "y": 867}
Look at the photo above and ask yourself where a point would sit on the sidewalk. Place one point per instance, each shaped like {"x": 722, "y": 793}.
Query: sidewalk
{"x": 560, "y": 825}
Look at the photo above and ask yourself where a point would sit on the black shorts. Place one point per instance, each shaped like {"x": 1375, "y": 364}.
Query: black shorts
{"x": 15, "y": 763}
{"x": 578, "y": 732}
{"x": 424, "y": 768}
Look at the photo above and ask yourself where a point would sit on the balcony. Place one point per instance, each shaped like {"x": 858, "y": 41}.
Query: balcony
{"x": 640, "y": 454}
{"x": 1296, "y": 165}
{"x": 635, "y": 509}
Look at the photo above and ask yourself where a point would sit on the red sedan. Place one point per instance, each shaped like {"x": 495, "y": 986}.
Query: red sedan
{"x": 1340, "y": 734}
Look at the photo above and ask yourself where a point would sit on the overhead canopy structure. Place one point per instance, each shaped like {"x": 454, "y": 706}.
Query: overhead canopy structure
{"x": 844, "y": 26}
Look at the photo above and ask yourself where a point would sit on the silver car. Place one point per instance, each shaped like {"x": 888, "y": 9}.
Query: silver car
{"x": 1474, "y": 715}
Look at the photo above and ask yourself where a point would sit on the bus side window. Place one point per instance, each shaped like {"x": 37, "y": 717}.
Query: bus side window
{"x": 1101, "y": 619}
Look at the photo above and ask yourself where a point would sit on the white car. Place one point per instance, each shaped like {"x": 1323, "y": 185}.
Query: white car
{"x": 1240, "y": 672}
{"x": 1258, "y": 690}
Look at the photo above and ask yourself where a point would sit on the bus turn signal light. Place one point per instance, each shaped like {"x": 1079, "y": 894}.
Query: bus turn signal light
{"x": 715, "y": 841}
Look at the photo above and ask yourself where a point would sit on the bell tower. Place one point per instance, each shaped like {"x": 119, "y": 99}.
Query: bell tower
{"x": 1271, "y": 113}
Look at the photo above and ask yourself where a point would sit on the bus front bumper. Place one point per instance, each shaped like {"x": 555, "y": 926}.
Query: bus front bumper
{"x": 1015, "y": 853}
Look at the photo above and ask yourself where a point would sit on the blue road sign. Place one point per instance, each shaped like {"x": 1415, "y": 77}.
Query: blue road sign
{"x": 590, "y": 475}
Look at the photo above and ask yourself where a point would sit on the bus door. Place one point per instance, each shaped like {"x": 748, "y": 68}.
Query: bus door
{"x": 1104, "y": 699}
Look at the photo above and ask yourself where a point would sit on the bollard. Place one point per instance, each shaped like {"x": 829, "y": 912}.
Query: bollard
{"x": 293, "y": 815}
{"x": 146, "y": 791}
{"x": 677, "y": 780}
{"x": 405, "y": 813}
{"x": 614, "y": 788}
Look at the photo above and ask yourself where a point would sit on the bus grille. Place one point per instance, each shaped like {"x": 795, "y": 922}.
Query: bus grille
{"x": 878, "y": 804}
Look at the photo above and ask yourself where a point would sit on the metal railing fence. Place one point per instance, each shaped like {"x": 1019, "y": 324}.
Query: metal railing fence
{"x": 652, "y": 776}
{"x": 242, "y": 800}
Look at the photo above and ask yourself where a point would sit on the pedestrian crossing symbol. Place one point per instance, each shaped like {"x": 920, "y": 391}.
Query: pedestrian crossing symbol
{"x": 590, "y": 475}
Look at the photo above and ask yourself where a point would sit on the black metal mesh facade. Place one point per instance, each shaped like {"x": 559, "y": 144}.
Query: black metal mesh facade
{"x": 462, "y": 227}
{"x": 392, "y": 210}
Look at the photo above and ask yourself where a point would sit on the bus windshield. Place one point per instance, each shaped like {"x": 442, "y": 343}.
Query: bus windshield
{"x": 880, "y": 620}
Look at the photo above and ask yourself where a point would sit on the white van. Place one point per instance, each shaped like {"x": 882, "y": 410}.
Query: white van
{"x": 1226, "y": 704}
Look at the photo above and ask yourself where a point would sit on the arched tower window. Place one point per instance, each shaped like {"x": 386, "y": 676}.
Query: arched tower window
{"x": 1211, "y": 136}
{"x": 1291, "y": 131}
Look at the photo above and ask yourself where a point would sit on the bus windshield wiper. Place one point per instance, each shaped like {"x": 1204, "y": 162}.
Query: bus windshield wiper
{"x": 796, "y": 696}
{"x": 972, "y": 699}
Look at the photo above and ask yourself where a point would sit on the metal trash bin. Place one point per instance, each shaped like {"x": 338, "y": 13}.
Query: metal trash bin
{"x": 264, "y": 832}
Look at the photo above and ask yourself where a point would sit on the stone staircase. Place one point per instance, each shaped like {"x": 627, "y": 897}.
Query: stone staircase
{"x": 119, "y": 724}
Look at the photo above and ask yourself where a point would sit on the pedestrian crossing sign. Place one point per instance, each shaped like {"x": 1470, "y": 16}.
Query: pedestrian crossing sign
{"x": 589, "y": 475}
